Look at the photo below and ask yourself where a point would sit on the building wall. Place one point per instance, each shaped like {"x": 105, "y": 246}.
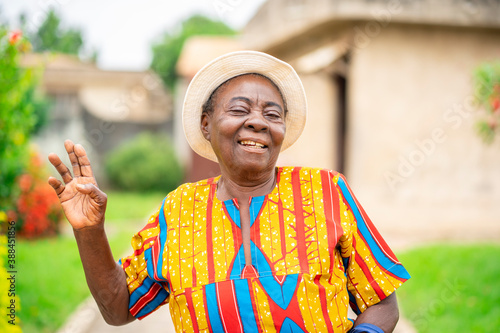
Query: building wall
{"x": 316, "y": 146}
{"x": 414, "y": 157}
{"x": 96, "y": 108}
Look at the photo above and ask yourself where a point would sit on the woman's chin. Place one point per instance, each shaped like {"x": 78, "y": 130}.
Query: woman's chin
{"x": 253, "y": 166}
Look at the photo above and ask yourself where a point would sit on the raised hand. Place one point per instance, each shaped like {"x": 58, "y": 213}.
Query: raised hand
{"x": 83, "y": 202}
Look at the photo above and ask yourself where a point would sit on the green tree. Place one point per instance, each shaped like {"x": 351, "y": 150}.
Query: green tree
{"x": 50, "y": 36}
{"x": 166, "y": 52}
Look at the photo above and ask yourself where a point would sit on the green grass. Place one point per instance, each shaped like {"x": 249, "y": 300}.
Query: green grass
{"x": 132, "y": 206}
{"x": 50, "y": 279}
{"x": 454, "y": 288}
{"x": 126, "y": 214}
{"x": 50, "y": 282}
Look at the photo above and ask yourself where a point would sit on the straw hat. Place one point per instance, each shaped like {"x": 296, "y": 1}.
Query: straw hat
{"x": 233, "y": 64}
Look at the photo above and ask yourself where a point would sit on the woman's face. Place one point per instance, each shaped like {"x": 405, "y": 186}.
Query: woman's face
{"x": 247, "y": 125}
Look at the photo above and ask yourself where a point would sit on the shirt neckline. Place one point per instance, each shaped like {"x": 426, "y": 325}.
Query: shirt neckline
{"x": 234, "y": 202}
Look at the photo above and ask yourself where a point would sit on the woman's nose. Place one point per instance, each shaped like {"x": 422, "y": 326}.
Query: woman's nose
{"x": 256, "y": 121}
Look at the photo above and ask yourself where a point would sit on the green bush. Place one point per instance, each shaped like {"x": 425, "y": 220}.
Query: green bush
{"x": 146, "y": 163}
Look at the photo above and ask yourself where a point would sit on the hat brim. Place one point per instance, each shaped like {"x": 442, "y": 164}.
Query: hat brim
{"x": 234, "y": 64}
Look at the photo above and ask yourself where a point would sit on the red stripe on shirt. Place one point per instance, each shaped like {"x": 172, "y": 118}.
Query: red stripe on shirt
{"x": 255, "y": 229}
{"x": 332, "y": 214}
{"x": 210, "y": 248}
{"x": 152, "y": 224}
{"x": 228, "y": 307}
{"x": 192, "y": 312}
{"x": 145, "y": 299}
{"x": 299, "y": 221}
{"x": 205, "y": 306}
{"x": 324, "y": 305}
{"x": 361, "y": 263}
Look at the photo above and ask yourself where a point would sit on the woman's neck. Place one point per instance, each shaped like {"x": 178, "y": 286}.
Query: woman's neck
{"x": 243, "y": 188}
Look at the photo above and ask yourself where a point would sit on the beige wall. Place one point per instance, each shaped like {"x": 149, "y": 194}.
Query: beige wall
{"x": 412, "y": 120}
{"x": 316, "y": 145}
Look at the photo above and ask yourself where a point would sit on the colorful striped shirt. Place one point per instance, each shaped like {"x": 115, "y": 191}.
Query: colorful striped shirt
{"x": 314, "y": 252}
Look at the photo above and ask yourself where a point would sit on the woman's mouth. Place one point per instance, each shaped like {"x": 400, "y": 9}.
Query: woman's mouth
{"x": 249, "y": 143}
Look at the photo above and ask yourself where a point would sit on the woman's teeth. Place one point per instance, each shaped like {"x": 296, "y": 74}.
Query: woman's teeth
{"x": 252, "y": 144}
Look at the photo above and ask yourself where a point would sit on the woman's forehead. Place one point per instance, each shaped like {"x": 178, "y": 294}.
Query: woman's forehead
{"x": 248, "y": 82}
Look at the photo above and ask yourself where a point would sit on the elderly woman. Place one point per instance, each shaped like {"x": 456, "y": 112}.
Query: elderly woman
{"x": 259, "y": 248}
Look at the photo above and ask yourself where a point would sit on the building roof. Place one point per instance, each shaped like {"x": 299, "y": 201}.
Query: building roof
{"x": 281, "y": 21}
{"x": 120, "y": 96}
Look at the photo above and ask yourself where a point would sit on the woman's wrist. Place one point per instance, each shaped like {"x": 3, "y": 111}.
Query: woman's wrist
{"x": 366, "y": 328}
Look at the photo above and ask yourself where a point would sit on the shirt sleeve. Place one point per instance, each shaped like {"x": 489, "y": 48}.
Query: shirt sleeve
{"x": 373, "y": 271}
{"x": 148, "y": 290}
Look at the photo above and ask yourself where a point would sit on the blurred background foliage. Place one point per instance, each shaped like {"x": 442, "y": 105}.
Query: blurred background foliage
{"x": 22, "y": 112}
{"x": 18, "y": 121}
{"x": 50, "y": 36}
{"x": 37, "y": 211}
{"x": 145, "y": 163}
{"x": 55, "y": 37}
{"x": 167, "y": 50}
{"x": 487, "y": 91}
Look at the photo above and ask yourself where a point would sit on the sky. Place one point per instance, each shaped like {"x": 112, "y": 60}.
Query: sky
{"x": 122, "y": 31}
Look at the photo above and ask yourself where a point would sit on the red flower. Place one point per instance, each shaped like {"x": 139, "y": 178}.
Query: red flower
{"x": 495, "y": 104}
{"x": 38, "y": 209}
{"x": 15, "y": 36}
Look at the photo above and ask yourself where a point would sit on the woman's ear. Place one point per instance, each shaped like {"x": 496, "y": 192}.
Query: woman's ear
{"x": 205, "y": 125}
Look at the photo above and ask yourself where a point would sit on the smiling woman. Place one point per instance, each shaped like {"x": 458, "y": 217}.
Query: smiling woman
{"x": 258, "y": 248}
{"x": 246, "y": 127}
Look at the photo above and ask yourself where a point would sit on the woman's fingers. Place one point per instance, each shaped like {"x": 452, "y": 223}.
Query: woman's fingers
{"x": 83, "y": 161}
{"x": 56, "y": 184}
{"x": 70, "y": 149}
{"x": 60, "y": 167}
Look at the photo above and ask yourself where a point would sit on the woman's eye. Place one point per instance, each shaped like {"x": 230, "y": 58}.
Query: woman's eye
{"x": 238, "y": 111}
{"x": 273, "y": 115}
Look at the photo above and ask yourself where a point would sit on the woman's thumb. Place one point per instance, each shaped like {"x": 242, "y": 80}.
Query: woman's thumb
{"x": 93, "y": 191}
{"x": 85, "y": 188}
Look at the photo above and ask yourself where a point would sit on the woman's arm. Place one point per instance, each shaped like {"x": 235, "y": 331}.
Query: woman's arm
{"x": 84, "y": 205}
{"x": 384, "y": 314}
{"x": 105, "y": 278}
